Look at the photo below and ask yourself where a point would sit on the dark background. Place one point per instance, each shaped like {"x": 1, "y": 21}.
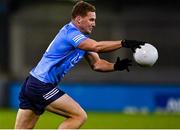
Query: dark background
{"x": 27, "y": 27}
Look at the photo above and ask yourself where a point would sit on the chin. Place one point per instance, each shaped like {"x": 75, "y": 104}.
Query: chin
{"x": 87, "y": 33}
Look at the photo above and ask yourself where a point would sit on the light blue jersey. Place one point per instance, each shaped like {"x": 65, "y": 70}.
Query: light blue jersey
{"x": 61, "y": 55}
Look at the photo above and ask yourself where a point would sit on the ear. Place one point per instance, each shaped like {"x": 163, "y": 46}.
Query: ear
{"x": 78, "y": 19}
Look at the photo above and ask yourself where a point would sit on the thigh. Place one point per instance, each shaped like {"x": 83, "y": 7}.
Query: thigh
{"x": 36, "y": 95}
{"x": 65, "y": 106}
{"x": 25, "y": 119}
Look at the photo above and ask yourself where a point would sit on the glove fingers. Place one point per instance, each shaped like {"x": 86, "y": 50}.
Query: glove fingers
{"x": 133, "y": 50}
{"x": 118, "y": 59}
{"x": 127, "y": 69}
{"x": 139, "y": 47}
{"x": 122, "y": 64}
{"x": 129, "y": 64}
{"x": 129, "y": 60}
{"x": 143, "y": 43}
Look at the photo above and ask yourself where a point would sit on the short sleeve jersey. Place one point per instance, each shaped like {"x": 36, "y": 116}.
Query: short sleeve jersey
{"x": 61, "y": 55}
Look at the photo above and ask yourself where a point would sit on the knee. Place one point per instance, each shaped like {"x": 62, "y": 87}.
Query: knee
{"x": 82, "y": 117}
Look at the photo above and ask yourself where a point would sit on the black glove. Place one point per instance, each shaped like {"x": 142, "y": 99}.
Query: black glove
{"x": 122, "y": 64}
{"x": 133, "y": 44}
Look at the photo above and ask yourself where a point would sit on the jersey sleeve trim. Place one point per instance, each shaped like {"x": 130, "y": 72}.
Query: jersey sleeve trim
{"x": 75, "y": 37}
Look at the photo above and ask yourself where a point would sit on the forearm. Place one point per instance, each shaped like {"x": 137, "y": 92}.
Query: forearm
{"x": 107, "y": 46}
{"x": 101, "y": 46}
{"x": 103, "y": 66}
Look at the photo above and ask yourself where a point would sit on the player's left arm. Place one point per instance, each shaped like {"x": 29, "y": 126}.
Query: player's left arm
{"x": 101, "y": 65}
{"x": 98, "y": 64}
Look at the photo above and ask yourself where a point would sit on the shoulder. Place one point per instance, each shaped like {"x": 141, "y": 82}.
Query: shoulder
{"x": 73, "y": 32}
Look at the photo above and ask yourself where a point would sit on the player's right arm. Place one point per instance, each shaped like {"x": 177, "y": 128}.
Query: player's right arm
{"x": 79, "y": 40}
{"x": 107, "y": 46}
{"x": 101, "y": 46}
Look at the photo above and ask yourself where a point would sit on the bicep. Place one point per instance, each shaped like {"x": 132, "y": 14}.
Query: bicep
{"x": 88, "y": 45}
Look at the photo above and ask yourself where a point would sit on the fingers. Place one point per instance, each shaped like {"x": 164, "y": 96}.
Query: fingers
{"x": 133, "y": 50}
{"x": 118, "y": 59}
{"x": 122, "y": 64}
{"x": 142, "y": 43}
{"x": 127, "y": 69}
{"x": 138, "y": 45}
{"x": 128, "y": 63}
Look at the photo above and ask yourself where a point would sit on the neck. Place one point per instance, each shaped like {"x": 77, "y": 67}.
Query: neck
{"x": 77, "y": 25}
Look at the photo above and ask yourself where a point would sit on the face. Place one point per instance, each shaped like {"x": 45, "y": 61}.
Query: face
{"x": 87, "y": 23}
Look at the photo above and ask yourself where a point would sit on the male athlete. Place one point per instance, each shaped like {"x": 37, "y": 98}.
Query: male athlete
{"x": 39, "y": 91}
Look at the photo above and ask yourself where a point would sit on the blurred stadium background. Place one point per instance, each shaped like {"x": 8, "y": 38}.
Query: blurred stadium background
{"x": 143, "y": 98}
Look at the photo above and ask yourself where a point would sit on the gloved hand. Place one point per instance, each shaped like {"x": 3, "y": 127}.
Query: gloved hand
{"x": 133, "y": 44}
{"x": 122, "y": 64}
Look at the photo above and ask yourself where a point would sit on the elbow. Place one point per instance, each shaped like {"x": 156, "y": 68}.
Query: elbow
{"x": 96, "y": 48}
{"x": 96, "y": 67}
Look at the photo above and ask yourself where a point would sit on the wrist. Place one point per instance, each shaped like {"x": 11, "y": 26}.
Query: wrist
{"x": 115, "y": 67}
{"x": 123, "y": 42}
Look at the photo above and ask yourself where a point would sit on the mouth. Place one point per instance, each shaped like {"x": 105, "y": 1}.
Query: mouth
{"x": 91, "y": 29}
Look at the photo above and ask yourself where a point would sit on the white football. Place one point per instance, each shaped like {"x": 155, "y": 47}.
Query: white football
{"x": 146, "y": 56}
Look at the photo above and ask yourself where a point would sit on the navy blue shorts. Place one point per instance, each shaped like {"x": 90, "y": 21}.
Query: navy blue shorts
{"x": 36, "y": 95}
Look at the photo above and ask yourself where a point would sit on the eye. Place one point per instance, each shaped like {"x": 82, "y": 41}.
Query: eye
{"x": 92, "y": 20}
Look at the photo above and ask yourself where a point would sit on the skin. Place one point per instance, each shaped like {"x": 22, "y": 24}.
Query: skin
{"x": 65, "y": 106}
{"x": 86, "y": 25}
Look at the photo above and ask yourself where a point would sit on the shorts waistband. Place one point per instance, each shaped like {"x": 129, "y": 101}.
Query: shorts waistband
{"x": 35, "y": 79}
